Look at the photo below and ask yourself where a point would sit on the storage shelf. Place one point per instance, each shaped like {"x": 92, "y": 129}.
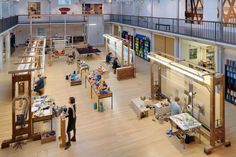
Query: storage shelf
{"x": 230, "y": 81}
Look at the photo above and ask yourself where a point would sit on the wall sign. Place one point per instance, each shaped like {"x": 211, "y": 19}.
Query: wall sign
{"x": 34, "y": 9}
{"x": 92, "y": 9}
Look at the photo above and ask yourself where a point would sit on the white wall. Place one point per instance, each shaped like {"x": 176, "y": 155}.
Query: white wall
{"x": 22, "y": 32}
{"x": 5, "y": 9}
{"x": 165, "y": 8}
{"x": 210, "y": 10}
{"x": 187, "y": 44}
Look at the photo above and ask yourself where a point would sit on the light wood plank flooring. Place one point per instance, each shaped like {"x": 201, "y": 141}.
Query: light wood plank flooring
{"x": 116, "y": 133}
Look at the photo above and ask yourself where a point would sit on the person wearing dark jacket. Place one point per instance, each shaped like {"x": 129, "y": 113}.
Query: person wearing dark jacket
{"x": 109, "y": 58}
{"x": 115, "y": 65}
{"x": 39, "y": 85}
{"x": 71, "y": 126}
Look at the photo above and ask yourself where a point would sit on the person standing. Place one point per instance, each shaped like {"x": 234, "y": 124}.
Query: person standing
{"x": 109, "y": 58}
{"x": 115, "y": 65}
{"x": 71, "y": 126}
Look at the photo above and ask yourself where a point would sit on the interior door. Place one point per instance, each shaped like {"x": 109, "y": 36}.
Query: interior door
{"x": 95, "y": 30}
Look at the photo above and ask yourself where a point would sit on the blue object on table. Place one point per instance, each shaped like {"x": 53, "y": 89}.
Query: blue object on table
{"x": 101, "y": 107}
{"x": 74, "y": 77}
{"x": 99, "y": 77}
{"x": 95, "y": 106}
{"x": 104, "y": 92}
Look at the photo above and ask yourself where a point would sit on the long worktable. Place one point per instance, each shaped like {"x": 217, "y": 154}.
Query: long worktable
{"x": 98, "y": 94}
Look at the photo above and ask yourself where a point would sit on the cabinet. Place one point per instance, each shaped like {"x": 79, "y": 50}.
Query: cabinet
{"x": 230, "y": 81}
{"x": 142, "y": 46}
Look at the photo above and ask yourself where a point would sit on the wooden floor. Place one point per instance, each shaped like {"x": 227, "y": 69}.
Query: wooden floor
{"x": 116, "y": 133}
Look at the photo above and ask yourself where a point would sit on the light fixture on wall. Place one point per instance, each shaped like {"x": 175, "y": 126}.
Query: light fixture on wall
{"x": 191, "y": 73}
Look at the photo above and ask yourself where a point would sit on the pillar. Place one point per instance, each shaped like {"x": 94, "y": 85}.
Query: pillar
{"x": 152, "y": 42}
{"x": 8, "y": 45}
{"x": 112, "y": 29}
{"x": 1, "y": 52}
{"x": 1, "y": 10}
{"x": 177, "y": 47}
{"x": 219, "y": 59}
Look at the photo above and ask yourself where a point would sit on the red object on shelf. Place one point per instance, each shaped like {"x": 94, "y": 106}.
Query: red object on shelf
{"x": 64, "y": 10}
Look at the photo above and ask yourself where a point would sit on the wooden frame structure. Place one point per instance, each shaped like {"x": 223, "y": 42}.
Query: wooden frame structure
{"x": 217, "y": 132}
{"x": 193, "y": 14}
{"x": 24, "y": 132}
{"x": 229, "y": 15}
{"x": 127, "y": 69}
{"x": 30, "y": 62}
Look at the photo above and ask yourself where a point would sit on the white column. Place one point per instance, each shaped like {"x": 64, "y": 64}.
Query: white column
{"x": 112, "y": 29}
{"x": 176, "y": 47}
{"x": 1, "y": 10}
{"x": 1, "y": 52}
{"x": 152, "y": 42}
{"x": 219, "y": 59}
{"x": 8, "y": 45}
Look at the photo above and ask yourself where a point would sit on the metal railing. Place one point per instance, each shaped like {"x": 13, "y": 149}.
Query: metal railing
{"x": 7, "y": 23}
{"x": 52, "y": 18}
{"x": 210, "y": 30}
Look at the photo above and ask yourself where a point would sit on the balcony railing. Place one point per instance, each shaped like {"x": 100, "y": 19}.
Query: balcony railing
{"x": 210, "y": 30}
{"x": 7, "y": 23}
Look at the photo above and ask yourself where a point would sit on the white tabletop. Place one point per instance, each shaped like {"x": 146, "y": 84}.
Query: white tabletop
{"x": 140, "y": 104}
{"x": 185, "y": 121}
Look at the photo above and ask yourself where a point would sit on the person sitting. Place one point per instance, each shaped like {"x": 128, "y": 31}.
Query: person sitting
{"x": 74, "y": 76}
{"x": 175, "y": 107}
{"x": 39, "y": 85}
{"x": 115, "y": 65}
{"x": 109, "y": 58}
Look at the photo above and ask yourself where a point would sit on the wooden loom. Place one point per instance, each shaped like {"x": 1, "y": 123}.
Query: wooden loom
{"x": 127, "y": 69}
{"x": 23, "y": 75}
{"x": 217, "y": 132}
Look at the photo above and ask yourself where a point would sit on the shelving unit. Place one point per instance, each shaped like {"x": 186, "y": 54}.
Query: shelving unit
{"x": 230, "y": 81}
{"x": 210, "y": 58}
{"x": 142, "y": 46}
{"x": 127, "y": 36}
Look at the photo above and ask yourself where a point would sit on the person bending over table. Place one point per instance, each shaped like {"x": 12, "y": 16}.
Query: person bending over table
{"x": 39, "y": 85}
{"x": 115, "y": 65}
{"x": 71, "y": 126}
{"x": 109, "y": 58}
{"x": 74, "y": 76}
{"x": 174, "y": 109}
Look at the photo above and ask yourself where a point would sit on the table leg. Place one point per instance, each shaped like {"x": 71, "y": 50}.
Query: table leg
{"x": 33, "y": 128}
{"x": 85, "y": 81}
{"x": 51, "y": 123}
{"x": 98, "y": 103}
{"x": 184, "y": 139}
{"x": 199, "y": 134}
{"x": 91, "y": 93}
{"x": 112, "y": 102}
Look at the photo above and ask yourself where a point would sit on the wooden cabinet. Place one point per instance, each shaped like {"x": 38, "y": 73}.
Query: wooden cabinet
{"x": 125, "y": 73}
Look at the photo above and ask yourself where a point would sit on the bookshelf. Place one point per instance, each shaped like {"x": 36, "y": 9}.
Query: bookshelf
{"x": 230, "y": 81}
{"x": 126, "y": 35}
{"x": 142, "y": 46}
